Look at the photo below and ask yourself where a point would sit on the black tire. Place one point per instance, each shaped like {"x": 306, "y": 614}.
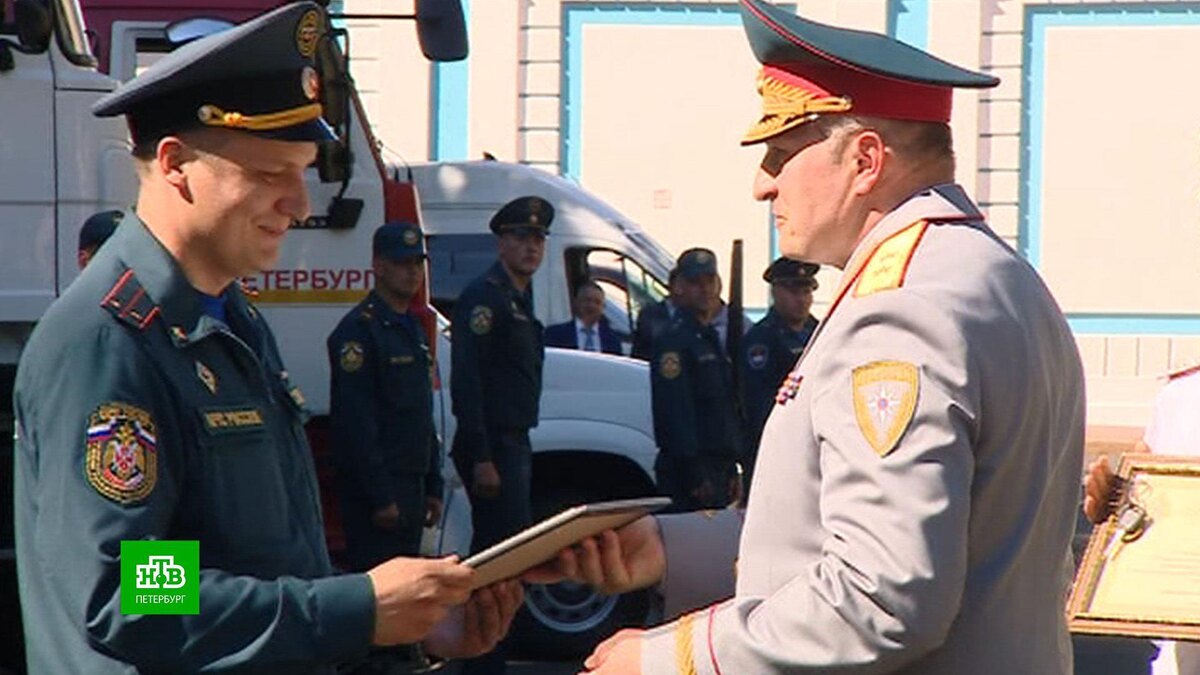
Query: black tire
{"x": 566, "y": 620}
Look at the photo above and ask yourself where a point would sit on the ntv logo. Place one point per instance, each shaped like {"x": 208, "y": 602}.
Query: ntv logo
{"x": 160, "y": 577}
{"x": 160, "y": 572}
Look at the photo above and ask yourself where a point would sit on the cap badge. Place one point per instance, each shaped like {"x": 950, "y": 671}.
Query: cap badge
{"x": 411, "y": 238}
{"x": 307, "y": 33}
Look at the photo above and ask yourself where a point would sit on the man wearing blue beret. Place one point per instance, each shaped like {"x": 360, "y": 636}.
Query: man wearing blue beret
{"x": 153, "y": 407}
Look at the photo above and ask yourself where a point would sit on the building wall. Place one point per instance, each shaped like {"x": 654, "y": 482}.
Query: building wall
{"x": 1088, "y": 139}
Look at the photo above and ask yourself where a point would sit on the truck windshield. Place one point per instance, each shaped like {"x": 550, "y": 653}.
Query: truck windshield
{"x": 69, "y": 27}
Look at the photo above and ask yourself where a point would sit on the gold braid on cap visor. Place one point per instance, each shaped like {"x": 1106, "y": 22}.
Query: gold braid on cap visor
{"x": 786, "y": 106}
{"x": 213, "y": 116}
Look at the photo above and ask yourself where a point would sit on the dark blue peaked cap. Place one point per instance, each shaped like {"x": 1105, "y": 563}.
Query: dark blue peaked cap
{"x": 258, "y": 77}
{"x": 523, "y": 214}
{"x": 812, "y": 69}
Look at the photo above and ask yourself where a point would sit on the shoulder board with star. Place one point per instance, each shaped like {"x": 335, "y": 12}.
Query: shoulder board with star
{"x": 1183, "y": 372}
{"x": 888, "y": 265}
{"x": 128, "y": 302}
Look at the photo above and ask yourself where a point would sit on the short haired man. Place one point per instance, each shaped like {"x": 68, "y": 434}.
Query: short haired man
{"x": 588, "y": 331}
{"x": 152, "y": 403}
{"x": 772, "y": 346}
{"x": 95, "y": 231}
{"x": 496, "y": 382}
{"x": 381, "y": 408}
{"x": 697, "y": 422}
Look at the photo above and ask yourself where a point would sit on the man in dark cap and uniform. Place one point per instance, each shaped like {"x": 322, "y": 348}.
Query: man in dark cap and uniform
{"x": 95, "y": 231}
{"x": 771, "y": 346}
{"x": 496, "y": 382}
{"x": 152, "y": 405}
{"x": 918, "y": 478}
{"x": 381, "y": 408}
{"x": 654, "y": 320}
{"x": 697, "y": 423}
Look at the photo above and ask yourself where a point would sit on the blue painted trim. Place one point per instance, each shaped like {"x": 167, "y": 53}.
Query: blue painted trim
{"x": 1135, "y": 324}
{"x": 1038, "y": 20}
{"x": 908, "y": 22}
{"x": 575, "y": 16}
{"x": 449, "y": 86}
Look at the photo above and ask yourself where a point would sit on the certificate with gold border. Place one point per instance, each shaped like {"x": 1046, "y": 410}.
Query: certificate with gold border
{"x": 1148, "y": 586}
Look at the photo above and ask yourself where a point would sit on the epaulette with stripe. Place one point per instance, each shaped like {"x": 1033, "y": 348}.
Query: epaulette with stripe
{"x": 888, "y": 265}
{"x": 127, "y": 301}
{"x": 1183, "y": 372}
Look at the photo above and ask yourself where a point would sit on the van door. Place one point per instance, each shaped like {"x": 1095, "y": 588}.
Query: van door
{"x": 27, "y": 181}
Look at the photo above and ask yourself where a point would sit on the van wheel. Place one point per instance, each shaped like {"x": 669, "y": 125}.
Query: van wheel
{"x": 567, "y": 620}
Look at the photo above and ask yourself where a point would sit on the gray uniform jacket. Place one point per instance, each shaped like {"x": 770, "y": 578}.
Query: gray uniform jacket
{"x": 918, "y": 477}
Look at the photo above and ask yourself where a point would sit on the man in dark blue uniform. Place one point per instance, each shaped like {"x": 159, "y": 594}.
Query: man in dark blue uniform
{"x": 152, "y": 404}
{"x": 381, "y": 408}
{"x": 771, "y": 348}
{"x": 696, "y": 420}
{"x": 654, "y": 320}
{"x": 496, "y": 381}
{"x": 95, "y": 231}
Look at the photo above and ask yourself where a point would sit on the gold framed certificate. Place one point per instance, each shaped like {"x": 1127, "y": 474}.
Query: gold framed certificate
{"x": 1140, "y": 575}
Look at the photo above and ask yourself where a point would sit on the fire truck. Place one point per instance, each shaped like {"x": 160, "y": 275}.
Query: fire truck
{"x": 60, "y": 164}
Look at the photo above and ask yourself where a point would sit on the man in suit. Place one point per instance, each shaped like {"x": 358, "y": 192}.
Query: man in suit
{"x": 918, "y": 477}
{"x": 588, "y": 331}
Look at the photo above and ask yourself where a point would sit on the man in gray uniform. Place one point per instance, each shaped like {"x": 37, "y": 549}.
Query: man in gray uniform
{"x": 918, "y": 477}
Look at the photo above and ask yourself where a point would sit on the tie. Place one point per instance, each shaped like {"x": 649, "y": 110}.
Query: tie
{"x": 589, "y": 338}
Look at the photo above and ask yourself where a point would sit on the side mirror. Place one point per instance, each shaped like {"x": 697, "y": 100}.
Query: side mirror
{"x": 184, "y": 31}
{"x": 441, "y": 30}
{"x": 34, "y": 25}
{"x": 333, "y": 161}
{"x": 335, "y": 80}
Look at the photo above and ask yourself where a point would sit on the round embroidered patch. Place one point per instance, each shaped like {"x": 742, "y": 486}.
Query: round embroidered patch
{"x": 411, "y": 237}
{"x": 669, "y": 365}
{"x": 310, "y": 83}
{"x": 481, "y": 320}
{"x": 351, "y": 356}
{"x": 756, "y": 356}
{"x": 121, "y": 461}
